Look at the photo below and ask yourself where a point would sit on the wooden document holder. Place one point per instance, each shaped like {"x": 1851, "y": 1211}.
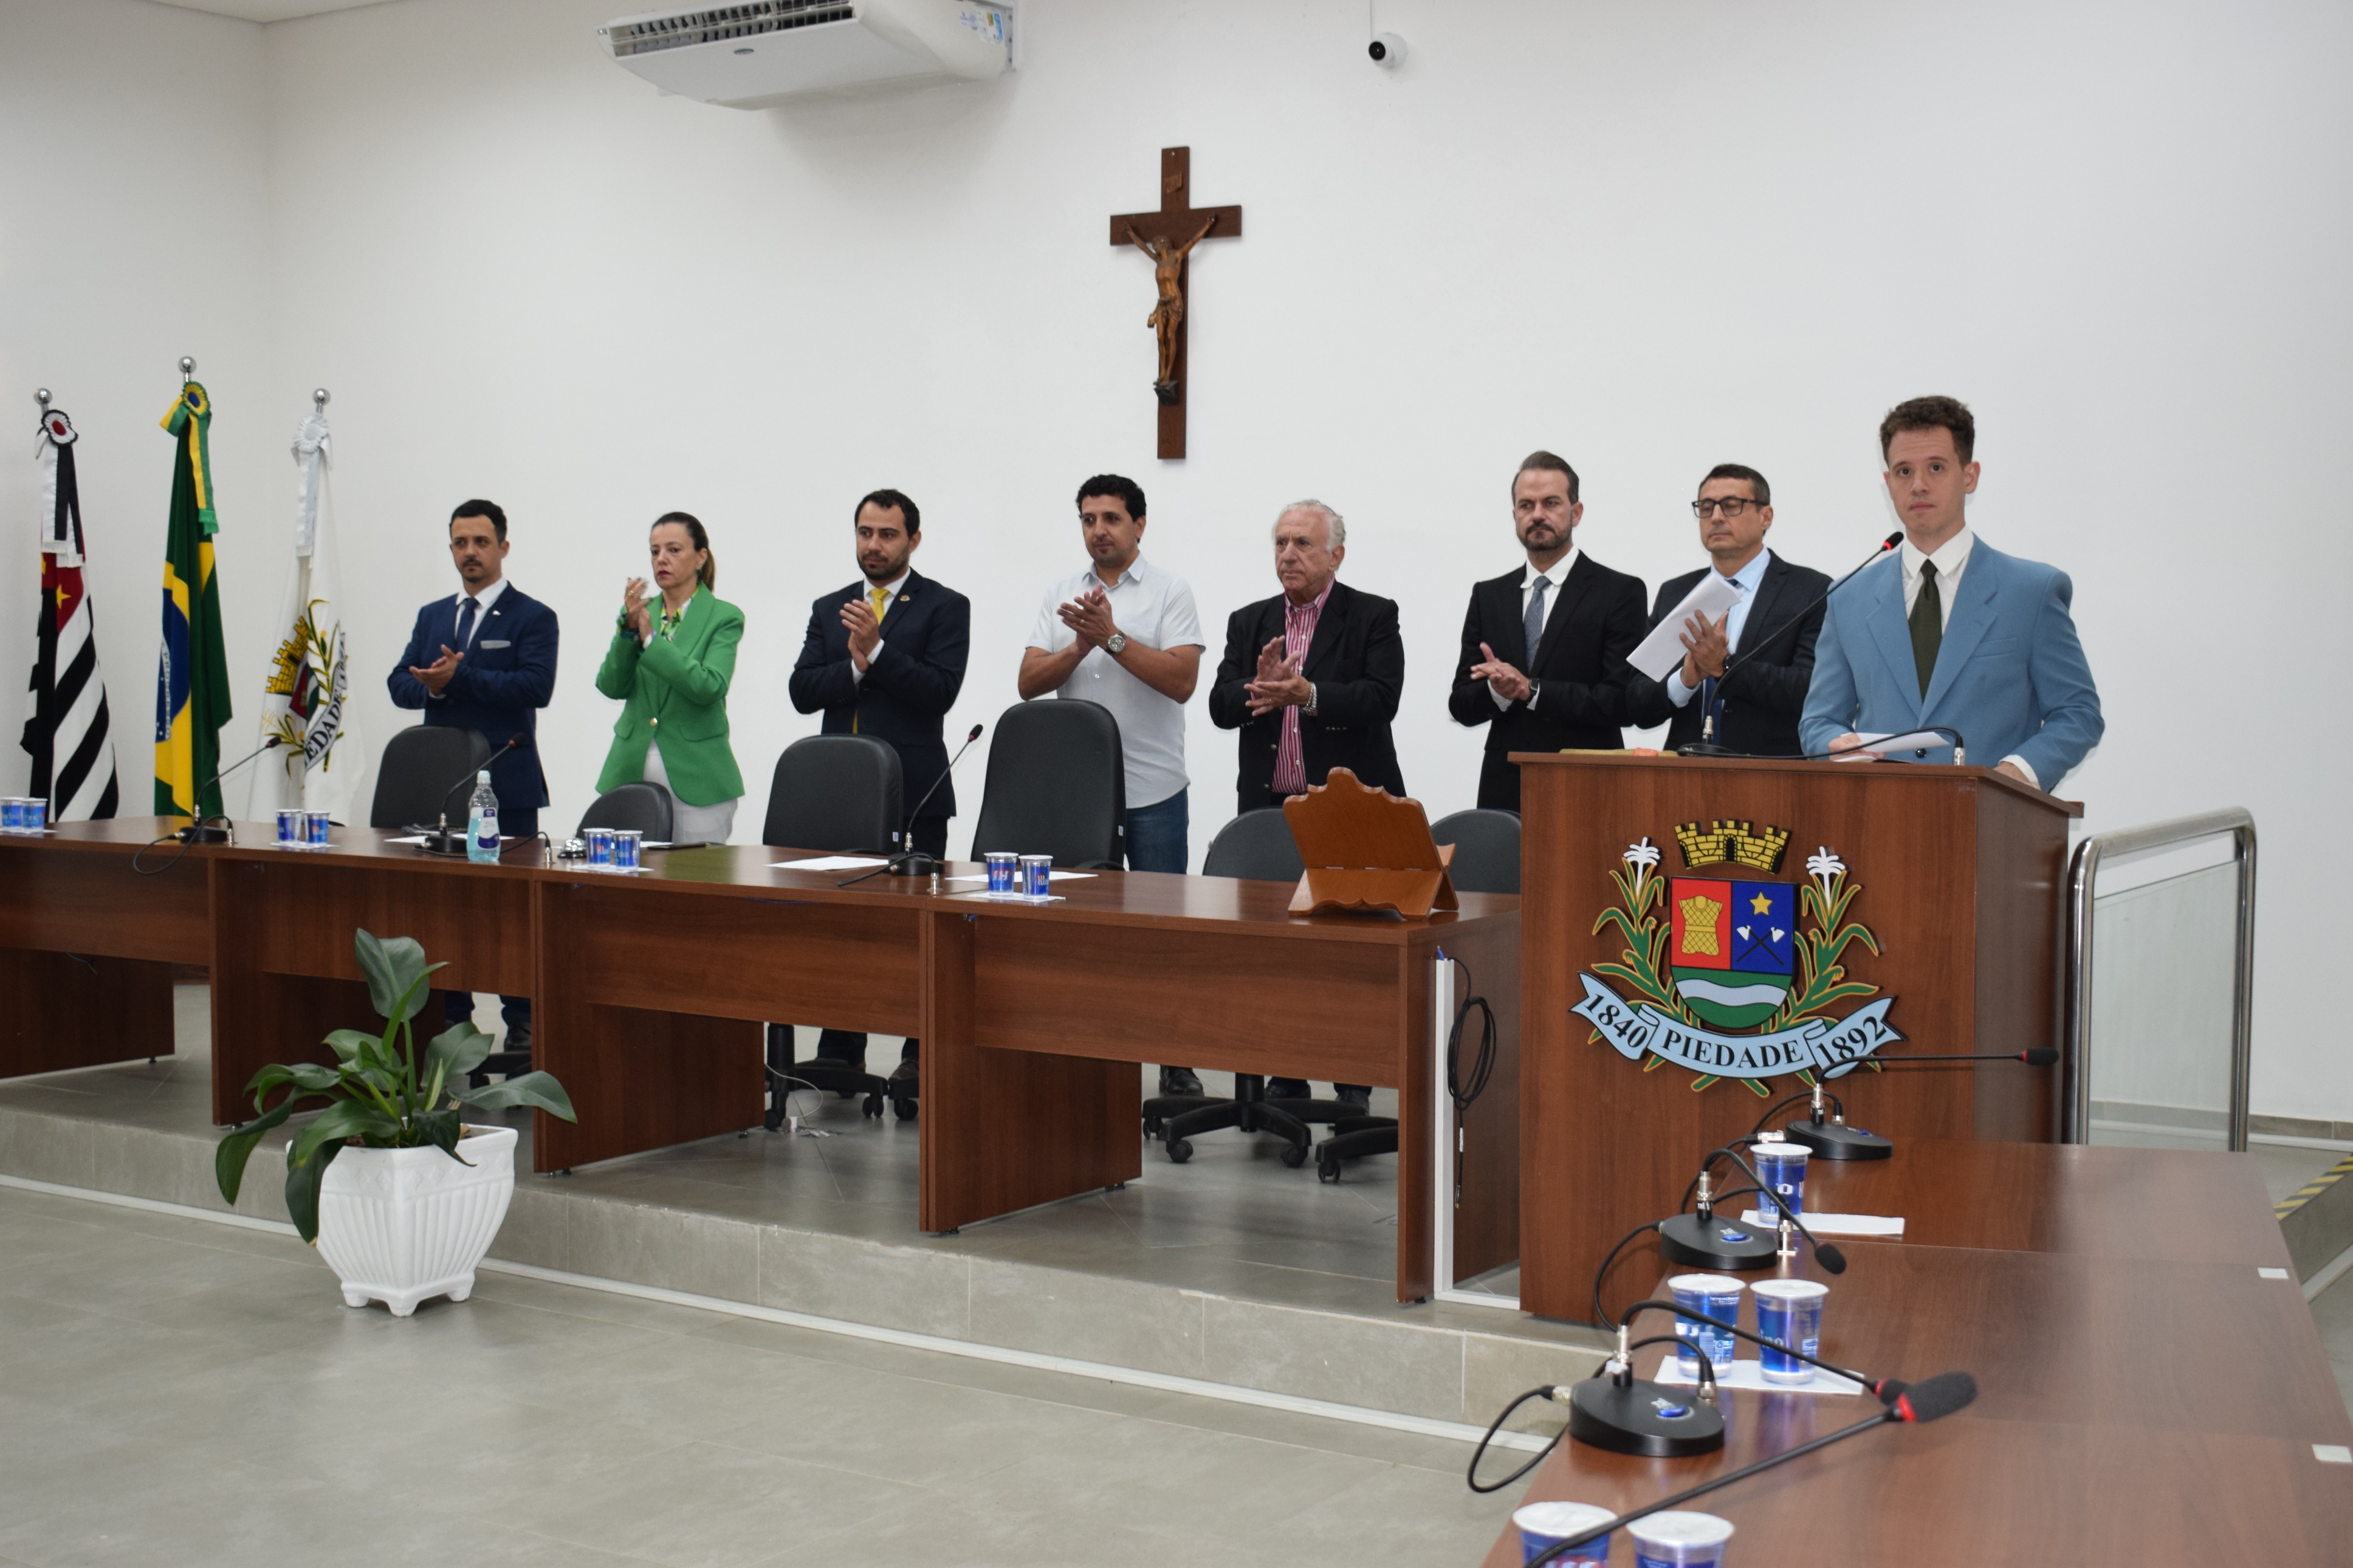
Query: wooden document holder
{"x": 1366, "y": 850}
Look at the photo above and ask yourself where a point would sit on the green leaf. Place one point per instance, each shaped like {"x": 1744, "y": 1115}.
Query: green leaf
{"x": 537, "y": 1089}
{"x": 457, "y": 1051}
{"x": 237, "y": 1144}
{"x": 442, "y": 1128}
{"x": 345, "y": 1118}
{"x": 396, "y": 971}
{"x": 302, "y": 1179}
{"x": 349, "y": 1043}
{"x": 310, "y": 1078}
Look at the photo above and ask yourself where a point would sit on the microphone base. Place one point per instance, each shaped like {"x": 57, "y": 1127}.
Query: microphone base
{"x": 1721, "y": 1244}
{"x": 913, "y": 866}
{"x": 202, "y": 832}
{"x": 1836, "y": 1141}
{"x": 445, "y": 844}
{"x": 1635, "y": 1419}
{"x": 1703, "y": 749}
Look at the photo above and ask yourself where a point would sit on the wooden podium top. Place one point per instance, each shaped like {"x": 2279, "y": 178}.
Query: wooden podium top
{"x": 1797, "y": 765}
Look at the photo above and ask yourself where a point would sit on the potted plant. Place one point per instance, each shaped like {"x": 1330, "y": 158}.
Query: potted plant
{"x": 400, "y": 1197}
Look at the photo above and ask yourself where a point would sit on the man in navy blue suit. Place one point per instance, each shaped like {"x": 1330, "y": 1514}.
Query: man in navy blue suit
{"x": 1953, "y": 633}
{"x": 884, "y": 656}
{"x": 485, "y": 659}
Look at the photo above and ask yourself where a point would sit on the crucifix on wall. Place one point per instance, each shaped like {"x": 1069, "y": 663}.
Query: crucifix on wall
{"x": 1168, "y": 236}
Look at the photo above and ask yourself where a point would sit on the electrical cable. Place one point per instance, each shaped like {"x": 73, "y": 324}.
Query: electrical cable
{"x": 1482, "y": 1065}
{"x": 1805, "y": 1098}
{"x": 1559, "y": 1392}
{"x": 1600, "y": 1317}
{"x": 139, "y": 871}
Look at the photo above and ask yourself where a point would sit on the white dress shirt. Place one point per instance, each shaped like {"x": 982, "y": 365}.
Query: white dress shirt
{"x": 1952, "y": 558}
{"x": 1745, "y": 582}
{"x": 1554, "y": 575}
{"x": 1155, "y": 609}
{"x": 889, "y": 595}
{"x": 483, "y": 601}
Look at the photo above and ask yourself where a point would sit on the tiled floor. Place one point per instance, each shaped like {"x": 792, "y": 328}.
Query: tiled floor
{"x": 173, "y": 1390}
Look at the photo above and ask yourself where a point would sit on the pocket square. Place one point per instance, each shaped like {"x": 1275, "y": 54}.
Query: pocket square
{"x": 495, "y": 642}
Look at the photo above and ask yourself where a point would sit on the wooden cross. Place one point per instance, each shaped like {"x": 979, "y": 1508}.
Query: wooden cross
{"x": 1168, "y": 236}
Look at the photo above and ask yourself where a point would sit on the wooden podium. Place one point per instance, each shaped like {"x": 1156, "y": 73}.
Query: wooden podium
{"x": 1764, "y": 919}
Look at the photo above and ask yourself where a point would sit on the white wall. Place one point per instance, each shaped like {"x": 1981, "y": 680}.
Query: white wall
{"x": 1651, "y": 236}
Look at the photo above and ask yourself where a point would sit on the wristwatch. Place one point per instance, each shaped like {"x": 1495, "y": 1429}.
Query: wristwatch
{"x": 1115, "y": 643}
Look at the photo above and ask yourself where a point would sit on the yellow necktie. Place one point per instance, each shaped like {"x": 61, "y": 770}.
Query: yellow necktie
{"x": 881, "y": 600}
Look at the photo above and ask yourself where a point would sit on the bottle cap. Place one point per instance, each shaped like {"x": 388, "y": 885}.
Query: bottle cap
{"x": 482, "y": 777}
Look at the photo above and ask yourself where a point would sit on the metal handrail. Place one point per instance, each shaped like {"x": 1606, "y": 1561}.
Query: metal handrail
{"x": 2075, "y": 1103}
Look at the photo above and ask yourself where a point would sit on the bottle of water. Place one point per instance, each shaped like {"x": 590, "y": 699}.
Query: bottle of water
{"x": 482, "y": 821}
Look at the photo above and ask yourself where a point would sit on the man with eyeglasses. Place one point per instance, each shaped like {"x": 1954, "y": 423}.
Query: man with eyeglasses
{"x": 1952, "y": 633}
{"x": 1757, "y": 705}
{"x": 1544, "y": 648}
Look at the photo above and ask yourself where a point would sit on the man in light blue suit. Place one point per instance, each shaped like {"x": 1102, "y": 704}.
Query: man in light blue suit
{"x": 1952, "y": 632}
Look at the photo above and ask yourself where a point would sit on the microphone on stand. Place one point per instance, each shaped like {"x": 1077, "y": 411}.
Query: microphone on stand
{"x": 913, "y": 862}
{"x": 201, "y": 831}
{"x": 1705, "y": 746}
{"x": 1825, "y": 1133}
{"x": 440, "y": 840}
{"x": 2039, "y": 1057}
{"x": 1701, "y": 1240}
{"x": 1930, "y": 1399}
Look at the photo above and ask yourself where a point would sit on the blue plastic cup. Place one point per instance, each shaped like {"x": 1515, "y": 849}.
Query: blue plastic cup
{"x": 12, "y": 814}
{"x": 1678, "y": 1539}
{"x": 626, "y": 843}
{"x": 290, "y": 828}
{"x": 1718, "y": 1296}
{"x": 1782, "y": 1167}
{"x": 1789, "y": 1312}
{"x": 37, "y": 815}
{"x": 1036, "y": 874}
{"x": 600, "y": 847}
{"x": 315, "y": 824}
{"x": 1004, "y": 868}
{"x": 1542, "y": 1523}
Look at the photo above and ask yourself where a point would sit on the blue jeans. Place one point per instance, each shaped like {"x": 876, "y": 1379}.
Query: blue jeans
{"x": 1159, "y": 835}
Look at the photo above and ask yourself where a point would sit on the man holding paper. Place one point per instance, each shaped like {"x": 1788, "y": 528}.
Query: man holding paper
{"x": 1750, "y": 613}
{"x": 1952, "y": 632}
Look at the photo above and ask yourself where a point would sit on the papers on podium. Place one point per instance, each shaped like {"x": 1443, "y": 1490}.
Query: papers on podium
{"x": 1663, "y": 648}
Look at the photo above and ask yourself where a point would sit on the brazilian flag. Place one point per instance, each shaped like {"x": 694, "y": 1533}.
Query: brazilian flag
{"x": 191, "y": 700}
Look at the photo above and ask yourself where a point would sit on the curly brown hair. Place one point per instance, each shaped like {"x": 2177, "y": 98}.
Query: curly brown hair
{"x": 1931, "y": 414}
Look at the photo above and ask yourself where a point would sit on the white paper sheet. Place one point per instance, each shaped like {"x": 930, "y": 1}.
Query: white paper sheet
{"x": 1896, "y": 748}
{"x": 1053, "y": 876}
{"x": 1751, "y": 1374}
{"x": 830, "y": 863}
{"x": 989, "y": 897}
{"x": 1663, "y": 648}
{"x": 1833, "y": 1224}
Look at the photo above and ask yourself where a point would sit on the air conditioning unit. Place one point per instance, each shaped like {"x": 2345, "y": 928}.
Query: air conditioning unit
{"x": 762, "y": 52}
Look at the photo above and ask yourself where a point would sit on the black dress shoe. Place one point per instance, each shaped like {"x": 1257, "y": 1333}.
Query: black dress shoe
{"x": 1286, "y": 1088}
{"x": 1180, "y": 1081}
{"x": 1355, "y": 1094}
{"x": 903, "y": 1079}
{"x": 518, "y": 1037}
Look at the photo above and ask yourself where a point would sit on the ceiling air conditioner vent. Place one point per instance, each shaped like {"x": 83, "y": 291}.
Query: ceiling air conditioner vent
{"x": 683, "y": 29}
{"x": 762, "y": 52}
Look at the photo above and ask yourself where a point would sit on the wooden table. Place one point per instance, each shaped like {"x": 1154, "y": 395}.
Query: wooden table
{"x": 2146, "y": 1396}
{"x": 648, "y": 991}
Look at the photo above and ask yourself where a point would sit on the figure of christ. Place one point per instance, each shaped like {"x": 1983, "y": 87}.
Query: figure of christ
{"x": 1167, "y": 272}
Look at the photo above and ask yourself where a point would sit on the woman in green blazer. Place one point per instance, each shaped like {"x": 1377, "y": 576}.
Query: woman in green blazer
{"x": 671, "y": 664}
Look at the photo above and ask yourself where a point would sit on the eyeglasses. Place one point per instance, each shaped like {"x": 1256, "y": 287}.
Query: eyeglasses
{"x": 1731, "y": 506}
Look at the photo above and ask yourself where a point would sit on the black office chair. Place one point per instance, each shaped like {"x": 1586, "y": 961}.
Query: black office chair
{"x": 418, "y": 763}
{"x": 841, "y": 794}
{"x": 1254, "y": 847}
{"x": 1486, "y": 860}
{"x": 1057, "y": 785}
{"x": 631, "y": 807}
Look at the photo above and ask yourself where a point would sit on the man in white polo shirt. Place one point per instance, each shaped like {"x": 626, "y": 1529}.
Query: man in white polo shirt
{"x": 1124, "y": 634}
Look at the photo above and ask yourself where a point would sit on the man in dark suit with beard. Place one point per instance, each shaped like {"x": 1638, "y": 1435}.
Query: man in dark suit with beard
{"x": 885, "y": 658}
{"x": 1544, "y": 646}
{"x": 1757, "y": 707}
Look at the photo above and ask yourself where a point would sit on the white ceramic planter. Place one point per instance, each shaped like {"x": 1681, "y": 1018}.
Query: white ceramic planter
{"x": 399, "y": 1226}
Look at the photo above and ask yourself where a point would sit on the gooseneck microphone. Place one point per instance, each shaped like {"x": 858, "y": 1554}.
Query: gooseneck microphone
{"x": 1705, "y": 746}
{"x": 2038, "y": 1057}
{"x": 440, "y": 840}
{"x": 913, "y": 862}
{"x": 200, "y": 829}
{"x": 1931, "y": 1399}
{"x": 1703, "y": 1240}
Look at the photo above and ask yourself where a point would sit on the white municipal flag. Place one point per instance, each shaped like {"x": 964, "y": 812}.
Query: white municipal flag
{"x": 307, "y": 705}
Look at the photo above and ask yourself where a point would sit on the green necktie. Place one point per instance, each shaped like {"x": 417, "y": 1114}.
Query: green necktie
{"x": 1928, "y": 624}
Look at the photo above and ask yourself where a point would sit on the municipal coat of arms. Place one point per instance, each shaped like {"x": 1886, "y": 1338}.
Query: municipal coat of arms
{"x": 1729, "y": 970}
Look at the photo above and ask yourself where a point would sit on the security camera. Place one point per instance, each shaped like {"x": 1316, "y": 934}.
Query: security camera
{"x": 1385, "y": 50}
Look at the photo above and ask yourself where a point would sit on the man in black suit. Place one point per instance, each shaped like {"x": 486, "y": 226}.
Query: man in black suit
{"x": 1757, "y": 710}
{"x": 1310, "y": 679}
{"x": 1581, "y": 618}
{"x": 885, "y": 658}
{"x": 485, "y": 659}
